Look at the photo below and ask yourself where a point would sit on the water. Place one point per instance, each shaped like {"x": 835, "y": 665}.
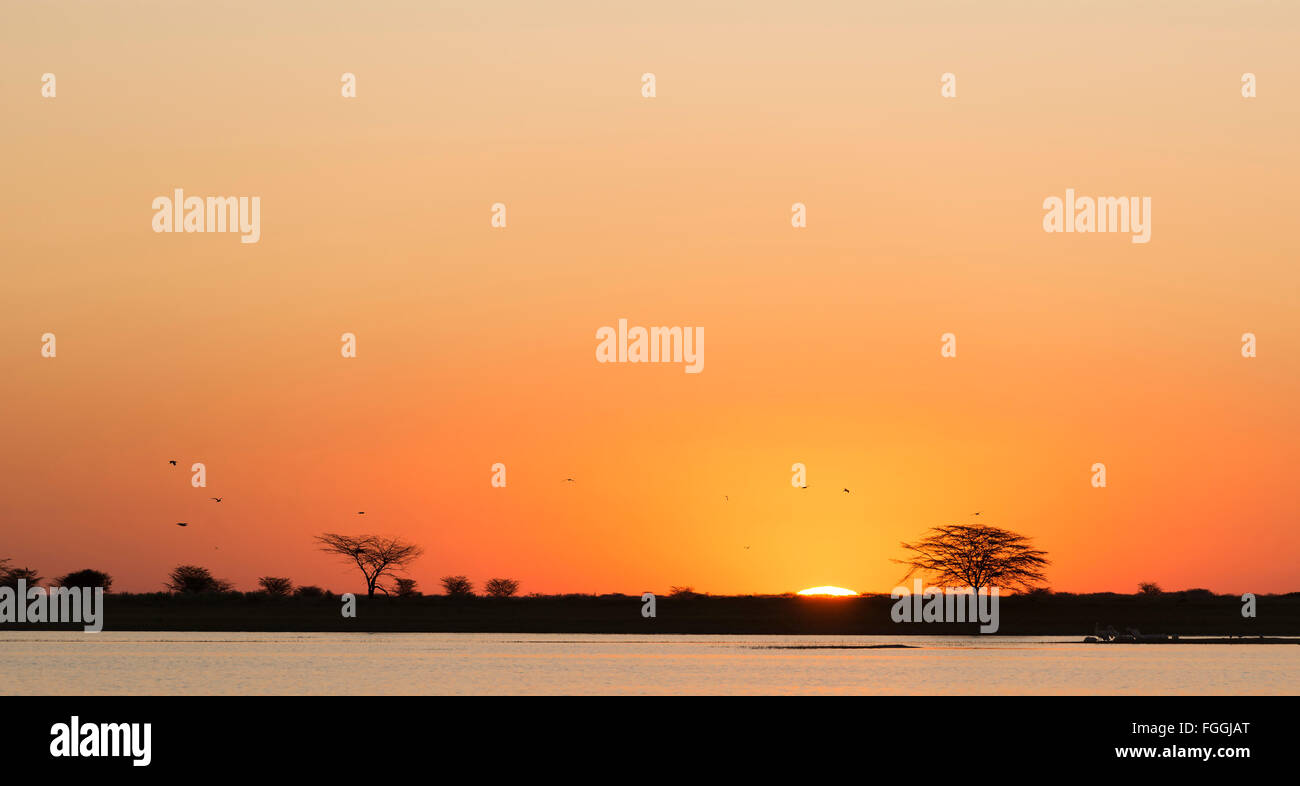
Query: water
{"x": 503, "y": 663}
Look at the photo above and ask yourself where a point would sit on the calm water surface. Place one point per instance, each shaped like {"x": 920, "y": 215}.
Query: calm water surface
{"x": 472, "y": 663}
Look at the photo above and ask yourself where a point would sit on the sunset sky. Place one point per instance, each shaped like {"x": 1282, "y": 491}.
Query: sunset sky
{"x": 476, "y": 345}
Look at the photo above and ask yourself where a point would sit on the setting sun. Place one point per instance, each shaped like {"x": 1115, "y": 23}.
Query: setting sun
{"x": 828, "y": 590}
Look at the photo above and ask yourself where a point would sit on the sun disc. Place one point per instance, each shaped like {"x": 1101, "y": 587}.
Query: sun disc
{"x": 827, "y": 590}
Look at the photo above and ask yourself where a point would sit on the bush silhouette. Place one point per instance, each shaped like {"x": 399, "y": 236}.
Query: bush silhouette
{"x": 457, "y": 587}
{"x": 276, "y": 586}
{"x": 192, "y": 579}
{"x": 86, "y": 578}
{"x": 9, "y": 577}
{"x": 405, "y": 588}
{"x": 501, "y": 588}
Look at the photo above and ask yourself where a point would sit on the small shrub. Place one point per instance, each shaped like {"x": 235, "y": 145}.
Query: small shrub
{"x": 457, "y": 586}
{"x": 86, "y": 578}
{"x": 276, "y": 586}
{"x": 501, "y": 588}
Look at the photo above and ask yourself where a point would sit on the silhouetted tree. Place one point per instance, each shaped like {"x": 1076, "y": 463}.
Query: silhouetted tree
{"x": 11, "y": 576}
{"x": 976, "y": 555}
{"x": 376, "y": 556}
{"x": 457, "y": 586}
{"x": 276, "y": 586}
{"x": 682, "y": 592}
{"x": 501, "y": 588}
{"x": 86, "y": 578}
{"x": 1149, "y": 588}
{"x": 309, "y": 591}
{"x": 194, "y": 579}
{"x": 404, "y": 588}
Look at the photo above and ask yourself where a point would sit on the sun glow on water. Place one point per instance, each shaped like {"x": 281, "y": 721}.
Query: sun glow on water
{"x": 827, "y": 590}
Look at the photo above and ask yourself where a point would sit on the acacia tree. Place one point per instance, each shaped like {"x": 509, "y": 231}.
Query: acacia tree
{"x": 501, "y": 588}
{"x": 9, "y": 577}
{"x": 86, "y": 578}
{"x": 375, "y": 555}
{"x": 457, "y": 586}
{"x": 976, "y": 555}
{"x": 405, "y": 588}
{"x": 276, "y": 586}
{"x": 195, "y": 579}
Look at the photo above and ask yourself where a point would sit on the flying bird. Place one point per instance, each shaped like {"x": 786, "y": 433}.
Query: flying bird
{"x": 568, "y": 480}
{"x": 727, "y": 498}
{"x": 215, "y": 499}
{"x": 846, "y": 491}
{"x": 361, "y": 513}
{"x": 172, "y": 462}
{"x": 181, "y": 524}
{"x": 976, "y": 513}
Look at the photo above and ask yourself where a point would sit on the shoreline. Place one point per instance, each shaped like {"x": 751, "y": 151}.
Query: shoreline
{"x": 1180, "y": 614}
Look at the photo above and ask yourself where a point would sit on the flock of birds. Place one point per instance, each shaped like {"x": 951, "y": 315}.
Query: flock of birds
{"x": 566, "y": 480}
{"x": 218, "y": 499}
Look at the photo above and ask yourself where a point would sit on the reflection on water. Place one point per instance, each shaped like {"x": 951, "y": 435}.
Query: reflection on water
{"x": 472, "y": 663}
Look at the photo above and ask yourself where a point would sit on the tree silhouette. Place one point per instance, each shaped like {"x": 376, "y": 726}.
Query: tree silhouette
{"x": 457, "y": 586}
{"x": 975, "y": 555}
{"x": 276, "y": 586}
{"x": 501, "y": 588}
{"x": 404, "y": 588}
{"x": 86, "y": 578}
{"x": 375, "y": 555}
{"x": 9, "y": 576}
{"x": 1149, "y": 588}
{"x": 191, "y": 579}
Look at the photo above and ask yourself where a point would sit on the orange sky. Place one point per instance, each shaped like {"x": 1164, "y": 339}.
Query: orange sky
{"x": 477, "y": 345}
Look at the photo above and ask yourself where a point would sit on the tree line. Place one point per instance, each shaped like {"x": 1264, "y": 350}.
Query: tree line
{"x": 380, "y": 559}
{"x": 956, "y": 555}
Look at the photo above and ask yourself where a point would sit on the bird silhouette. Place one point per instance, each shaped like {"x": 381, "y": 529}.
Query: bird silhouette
{"x": 727, "y": 498}
{"x": 172, "y": 462}
{"x": 215, "y": 499}
{"x": 846, "y": 491}
{"x": 569, "y": 480}
{"x": 976, "y": 513}
{"x": 181, "y": 524}
{"x": 361, "y": 513}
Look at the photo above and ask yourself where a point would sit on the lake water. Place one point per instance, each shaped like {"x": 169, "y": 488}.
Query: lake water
{"x": 473, "y": 663}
